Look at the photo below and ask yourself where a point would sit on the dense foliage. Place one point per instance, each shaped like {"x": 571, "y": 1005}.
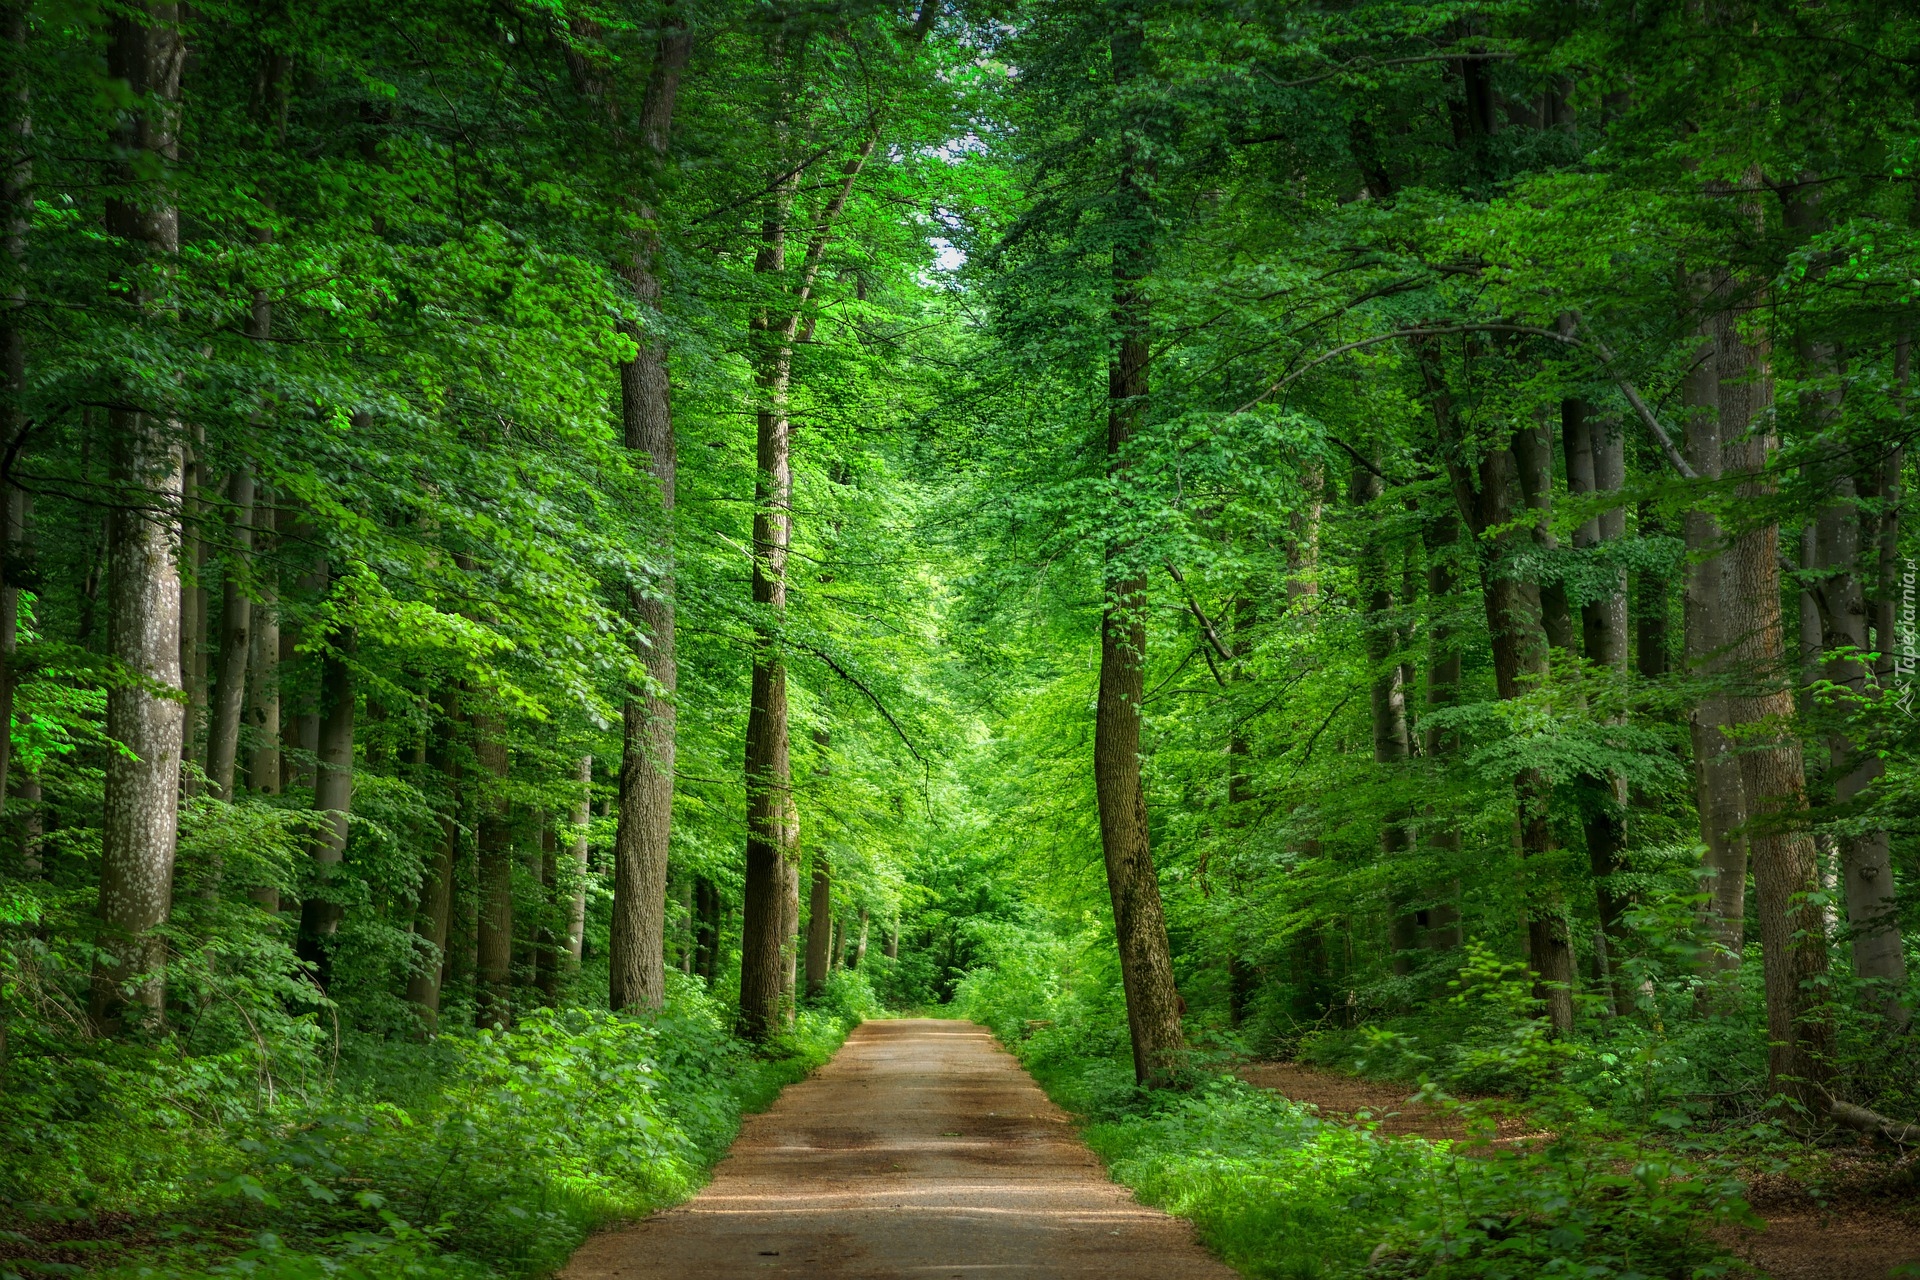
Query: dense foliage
{"x": 1369, "y": 532}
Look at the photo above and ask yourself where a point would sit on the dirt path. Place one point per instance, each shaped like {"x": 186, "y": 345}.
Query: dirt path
{"x": 1801, "y": 1242}
{"x": 922, "y": 1149}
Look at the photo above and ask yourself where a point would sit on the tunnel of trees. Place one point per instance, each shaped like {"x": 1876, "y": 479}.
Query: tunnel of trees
{"x": 642, "y": 527}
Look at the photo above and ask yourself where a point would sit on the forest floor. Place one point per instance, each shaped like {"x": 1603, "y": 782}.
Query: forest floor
{"x": 1850, "y": 1238}
{"x": 921, "y": 1149}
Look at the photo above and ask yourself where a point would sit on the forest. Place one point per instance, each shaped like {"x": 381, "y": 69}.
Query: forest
{"x": 560, "y": 554}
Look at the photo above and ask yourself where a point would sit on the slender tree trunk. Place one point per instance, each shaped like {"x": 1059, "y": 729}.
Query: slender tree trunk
{"x": 1146, "y": 966}
{"x": 706, "y": 896}
{"x": 1785, "y": 864}
{"x": 193, "y": 606}
{"x": 1720, "y": 795}
{"x": 819, "y": 923}
{"x": 577, "y": 907}
{"x": 494, "y": 940}
{"x": 637, "y": 976}
{"x": 16, "y": 218}
{"x": 321, "y": 910}
{"x": 772, "y": 823}
{"x": 860, "y": 942}
{"x": 1441, "y": 534}
{"x": 236, "y": 641}
{"x": 1597, "y": 465}
{"x": 433, "y": 918}
{"x": 1489, "y": 499}
{"x": 546, "y": 950}
{"x": 1533, "y": 455}
{"x": 140, "y": 813}
{"x": 1392, "y": 744}
{"x": 263, "y": 669}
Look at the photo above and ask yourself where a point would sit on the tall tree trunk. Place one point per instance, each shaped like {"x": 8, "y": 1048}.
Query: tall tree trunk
{"x": 236, "y": 641}
{"x": 860, "y": 943}
{"x": 1866, "y": 857}
{"x": 1146, "y": 964}
{"x": 772, "y": 823}
{"x": 140, "y": 813}
{"x": 1597, "y": 465}
{"x": 433, "y": 917}
{"x": 819, "y": 923}
{"x": 546, "y": 950}
{"x": 16, "y": 219}
{"x": 193, "y": 605}
{"x": 1785, "y": 865}
{"x": 1533, "y": 455}
{"x": 1441, "y": 533}
{"x": 263, "y": 665}
{"x": 1651, "y": 612}
{"x": 707, "y": 907}
{"x": 321, "y": 910}
{"x": 1489, "y": 499}
{"x": 494, "y": 940}
{"x": 1720, "y": 794}
{"x": 1391, "y": 742}
{"x": 577, "y": 907}
{"x": 637, "y": 978}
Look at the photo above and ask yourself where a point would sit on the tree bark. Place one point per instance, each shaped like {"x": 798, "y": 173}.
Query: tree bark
{"x": 494, "y": 959}
{"x": 1533, "y": 455}
{"x": 1785, "y": 866}
{"x": 1441, "y": 534}
{"x": 772, "y": 822}
{"x": 546, "y": 949}
{"x": 16, "y": 218}
{"x": 1597, "y": 465}
{"x": 321, "y": 910}
{"x": 1391, "y": 742}
{"x": 433, "y": 919}
{"x": 860, "y": 943}
{"x": 1489, "y": 499}
{"x": 263, "y": 674}
{"x": 577, "y": 908}
{"x": 140, "y": 812}
{"x": 236, "y": 641}
{"x": 637, "y": 978}
{"x": 1146, "y": 964}
{"x": 819, "y": 924}
{"x": 1720, "y": 795}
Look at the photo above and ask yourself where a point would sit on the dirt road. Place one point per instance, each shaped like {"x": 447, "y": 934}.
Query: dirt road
{"x": 922, "y": 1149}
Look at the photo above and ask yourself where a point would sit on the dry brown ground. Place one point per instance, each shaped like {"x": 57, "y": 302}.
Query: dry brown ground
{"x": 1854, "y": 1241}
{"x": 921, "y": 1150}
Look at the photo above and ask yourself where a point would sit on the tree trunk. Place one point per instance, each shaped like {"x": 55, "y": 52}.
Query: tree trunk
{"x": 1441, "y": 534}
{"x": 263, "y": 675}
{"x": 707, "y": 906}
{"x": 433, "y": 919}
{"x": 1866, "y": 858}
{"x": 1146, "y": 965}
{"x": 494, "y": 941}
{"x": 1720, "y": 795}
{"x": 1597, "y": 465}
{"x": 1391, "y": 741}
{"x": 1489, "y": 499}
{"x": 1785, "y": 866}
{"x": 236, "y": 640}
{"x": 772, "y": 822}
{"x": 546, "y": 950}
{"x": 140, "y": 813}
{"x": 193, "y": 607}
{"x": 637, "y": 977}
{"x": 1533, "y": 455}
{"x": 321, "y": 910}
{"x": 16, "y": 220}
{"x": 577, "y": 908}
{"x": 860, "y": 942}
{"x": 819, "y": 924}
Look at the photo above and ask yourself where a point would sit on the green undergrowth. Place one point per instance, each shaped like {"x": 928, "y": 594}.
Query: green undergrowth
{"x": 482, "y": 1154}
{"x": 1279, "y": 1192}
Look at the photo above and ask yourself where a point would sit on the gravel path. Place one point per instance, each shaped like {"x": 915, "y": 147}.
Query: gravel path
{"x": 922, "y": 1149}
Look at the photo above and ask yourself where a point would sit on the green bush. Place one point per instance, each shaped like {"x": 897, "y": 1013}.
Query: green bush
{"x": 482, "y": 1154}
{"x": 1278, "y": 1192}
